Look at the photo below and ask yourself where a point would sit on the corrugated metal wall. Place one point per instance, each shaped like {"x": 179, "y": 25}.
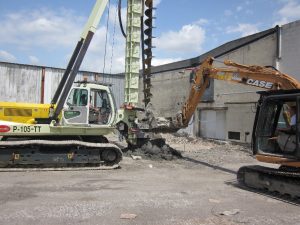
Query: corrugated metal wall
{"x": 23, "y": 83}
{"x": 20, "y": 83}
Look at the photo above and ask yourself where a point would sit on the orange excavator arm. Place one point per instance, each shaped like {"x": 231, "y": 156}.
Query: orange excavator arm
{"x": 253, "y": 75}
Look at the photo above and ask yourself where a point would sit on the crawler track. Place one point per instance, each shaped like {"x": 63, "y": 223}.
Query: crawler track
{"x": 274, "y": 181}
{"x": 58, "y": 154}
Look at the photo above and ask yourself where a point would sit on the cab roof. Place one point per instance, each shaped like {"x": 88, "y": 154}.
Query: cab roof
{"x": 94, "y": 82}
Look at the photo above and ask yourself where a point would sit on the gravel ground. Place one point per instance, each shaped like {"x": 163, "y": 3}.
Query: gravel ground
{"x": 197, "y": 189}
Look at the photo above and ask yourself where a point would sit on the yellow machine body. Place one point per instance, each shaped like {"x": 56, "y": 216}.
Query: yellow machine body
{"x": 23, "y": 112}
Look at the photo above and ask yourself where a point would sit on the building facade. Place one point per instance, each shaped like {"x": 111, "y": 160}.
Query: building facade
{"x": 227, "y": 110}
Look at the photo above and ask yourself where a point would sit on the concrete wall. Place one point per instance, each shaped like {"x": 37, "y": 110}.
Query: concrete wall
{"x": 261, "y": 52}
{"x": 23, "y": 83}
{"x": 212, "y": 123}
{"x": 230, "y": 95}
{"x": 240, "y": 118}
{"x": 290, "y": 49}
{"x": 169, "y": 89}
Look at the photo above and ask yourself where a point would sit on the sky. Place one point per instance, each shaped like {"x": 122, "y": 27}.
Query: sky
{"x": 43, "y": 32}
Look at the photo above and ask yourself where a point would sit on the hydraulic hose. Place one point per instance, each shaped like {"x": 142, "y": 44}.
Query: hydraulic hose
{"x": 120, "y": 18}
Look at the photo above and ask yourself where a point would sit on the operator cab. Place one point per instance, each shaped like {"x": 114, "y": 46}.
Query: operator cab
{"x": 89, "y": 104}
{"x": 276, "y": 127}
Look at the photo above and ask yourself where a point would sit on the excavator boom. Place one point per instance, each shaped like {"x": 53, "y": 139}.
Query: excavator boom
{"x": 262, "y": 77}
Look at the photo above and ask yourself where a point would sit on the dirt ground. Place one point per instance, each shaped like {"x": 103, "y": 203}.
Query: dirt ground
{"x": 197, "y": 189}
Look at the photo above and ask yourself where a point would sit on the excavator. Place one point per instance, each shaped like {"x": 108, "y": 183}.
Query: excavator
{"x": 275, "y": 140}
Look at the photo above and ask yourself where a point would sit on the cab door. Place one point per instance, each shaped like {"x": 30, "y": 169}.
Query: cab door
{"x": 100, "y": 108}
{"x": 76, "y": 108}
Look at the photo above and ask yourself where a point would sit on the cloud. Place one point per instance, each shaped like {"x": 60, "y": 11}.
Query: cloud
{"x": 113, "y": 15}
{"x": 45, "y": 30}
{"x": 227, "y": 12}
{"x": 115, "y": 53}
{"x": 249, "y": 12}
{"x": 239, "y": 8}
{"x": 244, "y": 29}
{"x": 156, "y": 3}
{"x": 40, "y": 28}
{"x": 33, "y": 60}
{"x": 6, "y": 56}
{"x": 288, "y": 13}
{"x": 201, "y": 22}
{"x": 113, "y": 60}
{"x": 290, "y": 10}
{"x": 189, "y": 39}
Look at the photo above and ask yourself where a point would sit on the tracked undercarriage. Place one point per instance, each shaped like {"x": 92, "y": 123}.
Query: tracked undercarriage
{"x": 282, "y": 181}
{"x": 58, "y": 153}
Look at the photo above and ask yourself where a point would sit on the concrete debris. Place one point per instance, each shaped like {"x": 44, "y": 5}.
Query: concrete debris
{"x": 128, "y": 216}
{"x": 156, "y": 149}
{"x": 204, "y": 143}
{"x": 213, "y": 152}
{"x": 181, "y": 134}
{"x": 230, "y": 213}
{"x": 214, "y": 200}
{"x": 182, "y": 138}
{"x": 220, "y": 142}
{"x": 136, "y": 157}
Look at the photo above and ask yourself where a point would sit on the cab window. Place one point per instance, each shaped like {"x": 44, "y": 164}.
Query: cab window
{"x": 78, "y": 97}
{"x": 275, "y": 131}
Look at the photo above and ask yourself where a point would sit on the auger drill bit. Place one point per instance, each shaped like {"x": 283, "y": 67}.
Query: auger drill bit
{"x": 147, "y": 50}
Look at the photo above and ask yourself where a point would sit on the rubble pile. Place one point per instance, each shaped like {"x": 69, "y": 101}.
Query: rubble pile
{"x": 185, "y": 139}
{"x": 203, "y": 143}
{"x": 214, "y": 152}
{"x": 156, "y": 149}
{"x": 172, "y": 146}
